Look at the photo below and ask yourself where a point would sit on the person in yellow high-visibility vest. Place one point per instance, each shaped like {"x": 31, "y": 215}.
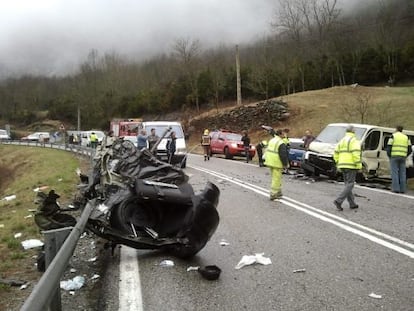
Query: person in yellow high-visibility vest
{"x": 399, "y": 147}
{"x": 347, "y": 156}
{"x": 94, "y": 140}
{"x": 277, "y": 160}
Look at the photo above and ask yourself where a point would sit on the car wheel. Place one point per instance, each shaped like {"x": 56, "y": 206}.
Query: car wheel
{"x": 227, "y": 153}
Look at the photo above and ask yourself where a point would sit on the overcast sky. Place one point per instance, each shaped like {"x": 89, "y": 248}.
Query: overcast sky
{"x": 53, "y": 36}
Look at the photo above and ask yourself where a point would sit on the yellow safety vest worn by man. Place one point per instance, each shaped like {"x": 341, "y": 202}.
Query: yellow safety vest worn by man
{"x": 347, "y": 157}
{"x": 348, "y": 153}
{"x": 276, "y": 159}
{"x": 94, "y": 140}
{"x": 399, "y": 146}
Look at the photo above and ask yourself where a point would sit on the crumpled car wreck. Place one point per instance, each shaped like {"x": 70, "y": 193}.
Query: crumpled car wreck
{"x": 144, "y": 203}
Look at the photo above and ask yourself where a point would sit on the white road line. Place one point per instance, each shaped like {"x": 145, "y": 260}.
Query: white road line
{"x": 324, "y": 216}
{"x": 130, "y": 297}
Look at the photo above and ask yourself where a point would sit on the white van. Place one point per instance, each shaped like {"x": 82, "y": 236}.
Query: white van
{"x": 165, "y": 128}
{"x": 374, "y": 140}
{"x": 86, "y": 137}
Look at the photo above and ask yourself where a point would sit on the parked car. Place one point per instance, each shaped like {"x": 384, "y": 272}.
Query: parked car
{"x": 229, "y": 143}
{"x": 37, "y": 136}
{"x": 296, "y": 152}
{"x": 4, "y": 135}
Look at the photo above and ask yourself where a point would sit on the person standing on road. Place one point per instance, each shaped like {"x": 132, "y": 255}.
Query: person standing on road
{"x": 259, "y": 148}
{"x": 171, "y": 147}
{"x": 398, "y": 148}
{"x": 347, "y": 157}
{"x": 286, "y": 141}
{"x": 276, "y": 159}
{"x": 152, "y": 140}
{"x": 307, "y": 139}
{"x": 246, "y": 143}
{"x": 142, "y": 140}
{"x": 94, "y": 140}
{"x": 206, "y": 142}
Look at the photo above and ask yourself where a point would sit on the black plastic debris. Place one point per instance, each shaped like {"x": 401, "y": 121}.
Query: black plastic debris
{"x": 210, "y": 272}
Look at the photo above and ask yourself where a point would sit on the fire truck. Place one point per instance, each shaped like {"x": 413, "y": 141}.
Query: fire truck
{"x": 126, "y": 128}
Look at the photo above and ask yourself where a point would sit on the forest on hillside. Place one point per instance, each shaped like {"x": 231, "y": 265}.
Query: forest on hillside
{"x": 313, "y": 45}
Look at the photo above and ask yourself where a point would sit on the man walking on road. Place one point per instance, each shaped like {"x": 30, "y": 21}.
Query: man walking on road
{"x": 276, "y": 159}
{"x": 347, "y": 157}
{"x": 399, "y": 147}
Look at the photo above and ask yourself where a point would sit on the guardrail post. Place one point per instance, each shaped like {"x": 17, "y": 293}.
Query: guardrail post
{"x": 54, "y": 240}
{"x": 40, "y": 296}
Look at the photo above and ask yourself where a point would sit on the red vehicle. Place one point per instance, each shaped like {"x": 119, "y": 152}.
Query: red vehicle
{"x": 127, "y": 128}
{"x": 229, "y": 143}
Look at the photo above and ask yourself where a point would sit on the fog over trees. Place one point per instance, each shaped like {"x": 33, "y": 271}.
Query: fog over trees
{"x": 312, "y": 44}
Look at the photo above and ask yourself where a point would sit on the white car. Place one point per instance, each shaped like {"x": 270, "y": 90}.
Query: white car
{"x": 4, "y": 135}
{"x": 37, "y": 136}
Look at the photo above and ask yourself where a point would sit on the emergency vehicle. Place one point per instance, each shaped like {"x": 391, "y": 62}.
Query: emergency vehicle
{"x": 126, "y": 128}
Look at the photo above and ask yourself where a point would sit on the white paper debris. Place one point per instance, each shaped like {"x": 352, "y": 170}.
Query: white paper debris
{"x": 1, "y": 225}
{"x": 72, "y": 270}
{"x": 103, "y": 208}
{"x": 373, "y": 295}
{"x": 18, "y": 235}
{"x": 95, "y": 276}
{"x": 28, "y": 216}
{"x": 9, "y": 198}
{"x": 32, "y": 243}
{"x": 224, "y": 243}
{"x": 193, "y": 268}
{"x": 167, "y": 263}
{"x": 251, "y": 259}
{"x": 92, "y": 259}
{"x": 24, "y": 286}
{"x": 73, "y": 284}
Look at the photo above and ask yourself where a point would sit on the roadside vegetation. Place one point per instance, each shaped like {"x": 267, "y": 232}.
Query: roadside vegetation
{"x": 311, "y": 45}
{"x": 23, "y": 169}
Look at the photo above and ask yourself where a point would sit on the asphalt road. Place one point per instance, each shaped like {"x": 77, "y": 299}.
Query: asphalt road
{"x": 352, "y": 260}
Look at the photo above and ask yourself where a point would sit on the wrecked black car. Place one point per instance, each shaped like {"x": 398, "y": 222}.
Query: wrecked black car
{"x": 144, "y": 203}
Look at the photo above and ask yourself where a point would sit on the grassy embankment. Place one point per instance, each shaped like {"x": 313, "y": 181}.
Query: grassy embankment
{"x": 23, "y": 169}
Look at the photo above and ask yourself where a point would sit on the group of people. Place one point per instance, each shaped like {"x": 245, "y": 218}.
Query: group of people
{"x": 143, "y": 140}
{"x": 347, "y": 157}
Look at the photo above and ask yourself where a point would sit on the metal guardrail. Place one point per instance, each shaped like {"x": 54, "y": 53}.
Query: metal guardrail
{"x": 49, "y": 283}
{"x": 46, "y": 293}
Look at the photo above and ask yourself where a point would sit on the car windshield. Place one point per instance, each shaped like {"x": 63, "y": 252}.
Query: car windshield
{"x": 296, "y": 144}
{"x": 159, "y": 130}
{"x": 334, "y": 133}
{"x": 233, "y": 137}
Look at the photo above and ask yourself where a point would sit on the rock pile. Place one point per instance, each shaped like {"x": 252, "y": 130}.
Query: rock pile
{"x": 244, "y": 117}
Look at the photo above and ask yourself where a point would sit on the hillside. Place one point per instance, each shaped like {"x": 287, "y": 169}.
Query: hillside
{"x": 386, "y": 106}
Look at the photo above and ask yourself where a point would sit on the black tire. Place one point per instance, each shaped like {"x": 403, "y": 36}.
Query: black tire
{"x": 227, "y": 154}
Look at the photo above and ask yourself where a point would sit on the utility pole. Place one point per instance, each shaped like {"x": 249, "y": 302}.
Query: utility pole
{"x": 79, "y": 119}
{"x": 239, "y": 98}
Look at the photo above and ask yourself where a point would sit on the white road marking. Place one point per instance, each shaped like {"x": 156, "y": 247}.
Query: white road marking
{"x": 324, "y": 216}
{"x": 130, "y": 297}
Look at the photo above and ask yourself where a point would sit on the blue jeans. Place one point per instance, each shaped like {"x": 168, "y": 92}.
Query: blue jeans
{"x": 349, "y": 181}
{"x": 398, "y": 174}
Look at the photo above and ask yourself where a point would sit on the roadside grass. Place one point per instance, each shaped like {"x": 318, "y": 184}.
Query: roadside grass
{"x": 23, "y": 169}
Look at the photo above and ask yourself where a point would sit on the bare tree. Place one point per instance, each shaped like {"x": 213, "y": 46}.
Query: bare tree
{"x": 186, "y": 52}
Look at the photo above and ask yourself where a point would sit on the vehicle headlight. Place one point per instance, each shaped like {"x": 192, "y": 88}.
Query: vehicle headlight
{"x": 253, "y": 147}
{"x": 233, "y": 145}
